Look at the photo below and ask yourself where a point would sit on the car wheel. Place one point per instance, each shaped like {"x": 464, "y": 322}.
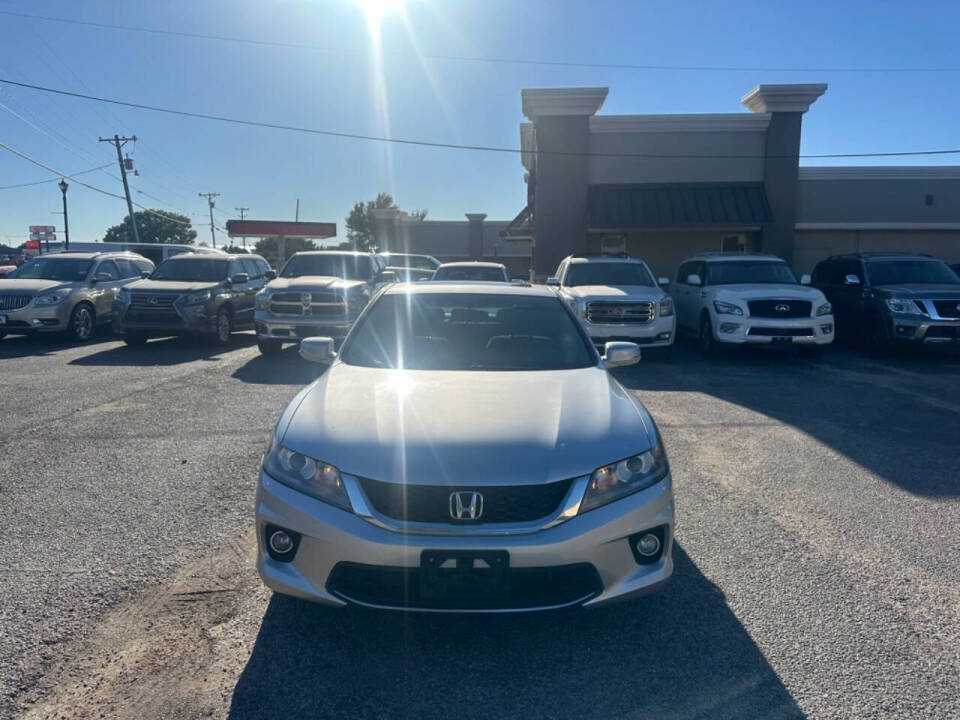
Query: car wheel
{"x": 708, "y": 346}
{"x": 269, "y": 347}
{"x": 135, "y": 340}
{"x": 81, "y": 323}
{"x": 875, "y": 338}
{"x": 224, "y": 326}
{"x": 810, "y": 352}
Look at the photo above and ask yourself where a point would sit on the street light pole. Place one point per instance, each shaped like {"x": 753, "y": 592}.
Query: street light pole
{"x": 66, "y": 226}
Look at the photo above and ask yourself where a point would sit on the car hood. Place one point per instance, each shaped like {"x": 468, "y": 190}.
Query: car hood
{"x": 611, "y": 292}
{"x": 930, "y": 291}
{"x": 25, "y": 287}
{"x": 169, "y": 286}
{"x": 312, "y": 282}
{"x": 467, "y": 428}
{"x": 768, "y": 291}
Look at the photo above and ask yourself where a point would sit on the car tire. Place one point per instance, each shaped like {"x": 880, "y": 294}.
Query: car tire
{"x": 224, "y": 327}
{"x": 269, "y": 347}
{"x": 875, "y": 338}
{"x": 82, "y": 323}
{"x": 810, "y": 352}
{"x": 705, "y": 341}
{"x": 134, "y": 340}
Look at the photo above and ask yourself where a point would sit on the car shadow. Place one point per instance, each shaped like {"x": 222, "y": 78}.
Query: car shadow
{"x": 17, "y": 346}
{"x": 898, "y": 417}
{"x": 166, "y": 351}
{"x": 285, "y": 368}
{"x": 679, "y": 653}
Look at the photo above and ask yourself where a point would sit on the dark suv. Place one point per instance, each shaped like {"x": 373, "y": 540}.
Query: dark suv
{"x": 209, "y": 294}
{"x": 883, "y": 299}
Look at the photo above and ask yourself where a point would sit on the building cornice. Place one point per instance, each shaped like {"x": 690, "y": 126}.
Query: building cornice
{"x": 881, "y": 172}
{"x": 793, "y": 98}
{"x": 698, "y": 122}
{"x": 878, "y": 226}
{"x": 543, "y": 102}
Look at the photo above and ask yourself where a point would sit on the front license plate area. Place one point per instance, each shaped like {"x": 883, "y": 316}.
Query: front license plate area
{"x": 464, "y": 574}
{"x": 781, "y": 339}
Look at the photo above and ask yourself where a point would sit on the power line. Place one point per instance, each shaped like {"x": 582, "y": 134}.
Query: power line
{"x": 456, "y": 146}
{"x": 488, "y": 60}
{"x": 42, "y": 182}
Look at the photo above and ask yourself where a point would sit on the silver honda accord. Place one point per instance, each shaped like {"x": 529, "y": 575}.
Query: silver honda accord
{"x": 466, "y": 450}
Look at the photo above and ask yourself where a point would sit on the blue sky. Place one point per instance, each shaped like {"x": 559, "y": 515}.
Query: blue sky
{"x": 344, "y": 87}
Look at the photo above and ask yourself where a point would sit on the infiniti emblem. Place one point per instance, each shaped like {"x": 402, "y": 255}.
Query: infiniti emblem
{"x": 782, "y": 307}
{"x": 466, "y": 505}
{"x": 154, "y": 300}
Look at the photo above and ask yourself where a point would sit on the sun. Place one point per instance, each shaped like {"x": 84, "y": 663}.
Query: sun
{"x": 376, "y": 10}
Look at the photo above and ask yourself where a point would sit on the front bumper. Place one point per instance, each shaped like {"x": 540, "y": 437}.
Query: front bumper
{"x": 295, "y": 328}
{"x": 920, "y": 329}
{"x": 746, "y": 330}
{"x": 332, "y": 537}
{"x": 180, "y": 319}
{"x": 37, "y": 319}
{"x": 660, "y": 332}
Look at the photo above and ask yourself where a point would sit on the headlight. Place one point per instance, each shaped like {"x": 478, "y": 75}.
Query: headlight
{"x": 666, "y": 307}
{"x": 306, "y": 474}
{"x": 199, "y": 297}
{"x": 612, "y": 482}
{"x": 907, "y": 307}
{"x": 52, "y": 298}
{"x": 262, "y": 300}
{"x": 725, "y": 308}
{"x": 824, "y": 309}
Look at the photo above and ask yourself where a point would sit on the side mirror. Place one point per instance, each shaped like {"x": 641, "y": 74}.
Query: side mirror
{"x": 620, "y": 354}
{"x": 387, "y": 276}
{"x": 553, "y": 281}
{"x": 145, "y": 274}
{"x": 318, "y": 350}
{"x": 663, "y": 281}
{"x": 851, "y": 280}
{"x": 270, "y": 274}
{"x": 101, "y": 277}
{"x": 805, "y": 279}
{"x": 240, "y": 279}
{"x": 694, "y": 280}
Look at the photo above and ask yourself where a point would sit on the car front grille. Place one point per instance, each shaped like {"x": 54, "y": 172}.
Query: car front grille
{"x": 947, "y": 308}
{"x": 152, "y": 302}
{"x": 949, "y": 332}
{"x": 780, "y": 308}
{"x": 781, "y": 331}
{"x": 618, "y": 313}
{"x": 431, "y": 503}
{"x": 317, "y": 304}
{"x": 14, "y": 302}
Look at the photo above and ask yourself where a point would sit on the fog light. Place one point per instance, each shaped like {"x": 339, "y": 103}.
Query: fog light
{"x": 281, "y": 542}
{"x": 728, "y": 327}
{"x": 826, "y": 329}
{"x": 648, "y": 545}
{"x": 663, "y": 336}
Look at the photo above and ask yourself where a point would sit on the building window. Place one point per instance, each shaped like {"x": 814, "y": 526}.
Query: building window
{"x": 733, "y": 243}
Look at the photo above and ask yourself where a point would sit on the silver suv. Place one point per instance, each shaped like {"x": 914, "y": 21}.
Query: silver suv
{"x": 66, "y": 292}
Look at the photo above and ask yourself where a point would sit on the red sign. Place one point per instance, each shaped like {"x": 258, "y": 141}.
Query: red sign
{"x": 31, "y": 245}
{"x": 280, "y": 228}
{"x": 42, "y": 229}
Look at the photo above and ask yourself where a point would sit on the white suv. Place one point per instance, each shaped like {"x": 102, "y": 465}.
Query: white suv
{"x": 750, "y": 298}
{"x": 617, "y": 299}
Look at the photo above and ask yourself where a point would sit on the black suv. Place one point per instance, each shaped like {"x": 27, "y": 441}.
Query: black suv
{"x": 881, "y": 300}
{"x": 209, "y": 294}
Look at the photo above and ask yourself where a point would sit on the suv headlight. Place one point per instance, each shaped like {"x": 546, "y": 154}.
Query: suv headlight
{"x": 197, "y": 298}
{"x": 262, "y": 300}
{"x": 725, "y": 308}
{"x": 619, "y": 479}
{"x": 52, "y": 298}
{"x": 306, "y": 474}
{"x": 666, "y": 307}
{"x": 824, "y": 309}
{"x": 903, "y": 306}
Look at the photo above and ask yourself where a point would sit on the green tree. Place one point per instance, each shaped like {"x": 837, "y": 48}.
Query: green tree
{"x": 154, "y": 226}
{"x": 360, "y": 223}
{"x": 235, "y": 250}
{"x": 267, "y": 247}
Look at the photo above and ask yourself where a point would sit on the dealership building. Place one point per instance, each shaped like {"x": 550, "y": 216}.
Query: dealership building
{"x": 663, "y": 187}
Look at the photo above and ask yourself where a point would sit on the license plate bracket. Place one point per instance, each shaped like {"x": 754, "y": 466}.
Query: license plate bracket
{"x": 781, "y": 339}
{"x": 463, "y": 574}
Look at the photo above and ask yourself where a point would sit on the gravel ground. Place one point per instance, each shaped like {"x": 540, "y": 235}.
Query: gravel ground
{"x": 818, "y": 557}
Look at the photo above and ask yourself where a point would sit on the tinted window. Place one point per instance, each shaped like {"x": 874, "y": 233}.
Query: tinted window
{"x": 488, "y": 274}
{"x": 414, "y": 261}
{"x": 108, "y": 267}
{"x": 251, "y": 268}
{"x": 153, "y": 253}
{"x": 896, "y": 272}
{"x": 143, "y": 266}
{"x": 348, "y": 267}
{"x": 191, "y": 269}
{"x": 262, "y": 264}
{"x": 127, "y": 268}
{"x": 683, "y": 272}
{"x": 462, "y": 331}
{"x": 606, "y": 274}
{"x": 64, "y": 269}
{"x": 749, "y": 271}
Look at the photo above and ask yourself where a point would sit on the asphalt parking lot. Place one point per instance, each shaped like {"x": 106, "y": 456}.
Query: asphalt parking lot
{"x": 817, "y": 559}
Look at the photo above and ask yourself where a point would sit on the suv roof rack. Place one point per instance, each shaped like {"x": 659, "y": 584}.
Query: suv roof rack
{"x": 877, "y": 253}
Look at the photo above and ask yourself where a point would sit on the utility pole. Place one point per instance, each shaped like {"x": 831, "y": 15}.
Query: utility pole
{"x": 118, "y": 142}
{"x": 66, "y": 226}
{"x": 242, "y": 211}
{"x": 210, "y": 196}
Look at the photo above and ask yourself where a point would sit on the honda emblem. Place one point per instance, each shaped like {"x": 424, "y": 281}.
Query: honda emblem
{"x": 466, "y": 505}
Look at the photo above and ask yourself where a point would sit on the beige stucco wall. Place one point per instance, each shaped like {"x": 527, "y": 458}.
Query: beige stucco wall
{"x": 813, "y": 246}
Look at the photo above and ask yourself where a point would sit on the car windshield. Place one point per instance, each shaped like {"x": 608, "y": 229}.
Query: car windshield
{"x": 468, "y": 331}
{"x": 735, "y": 272}
{"x": 421, "y": 262}
{"x": 467, "y": 272}
{"x": 197, "y": 269}
{"x": 64, "y": 269}
{"x": 607, "y": 273}
{"x": 348, "y": 267}
{"x": 906, "y": 272}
